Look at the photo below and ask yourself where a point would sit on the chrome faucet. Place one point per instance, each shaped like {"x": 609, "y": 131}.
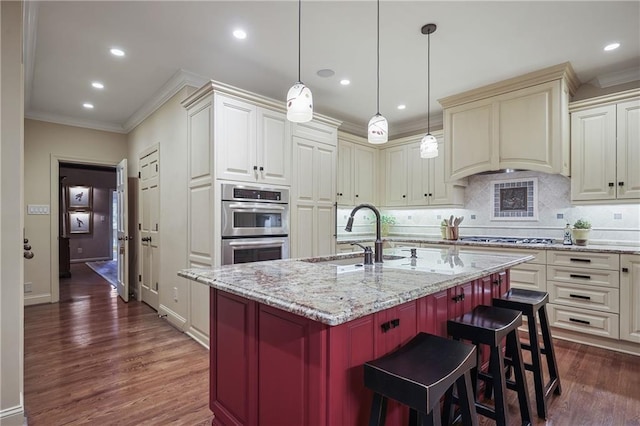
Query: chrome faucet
{"x": 378, "y": 243}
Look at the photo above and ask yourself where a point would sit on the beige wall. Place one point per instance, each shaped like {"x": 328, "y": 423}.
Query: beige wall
{"x": 45, "y": 144}
{"x": 167, "y": 128}
{"x": 11, "y": 183}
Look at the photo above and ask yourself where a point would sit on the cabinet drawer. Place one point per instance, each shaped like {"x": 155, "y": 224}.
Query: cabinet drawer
{"x": 529, "y": 276}
{"x": 604, "y": 299}
{"x": 581, "y": 276}
{"x": 540, "y": 255}
{"x": 602, "y": 324}
{"x": 584, "y": 260}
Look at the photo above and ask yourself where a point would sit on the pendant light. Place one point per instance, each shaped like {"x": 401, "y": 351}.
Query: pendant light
{"x": 299, "y": 98}
{"x": 429, "y": 144}
{"x": 378, "y": 129}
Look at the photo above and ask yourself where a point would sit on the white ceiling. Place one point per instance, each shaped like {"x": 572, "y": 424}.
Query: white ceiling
{"x": 476, "y": 43}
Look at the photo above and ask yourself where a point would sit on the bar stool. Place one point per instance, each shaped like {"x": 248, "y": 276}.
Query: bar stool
{"x": 489, "y": 326}
{"x": 418, "y": 374}
{"x": 532, "y": 305}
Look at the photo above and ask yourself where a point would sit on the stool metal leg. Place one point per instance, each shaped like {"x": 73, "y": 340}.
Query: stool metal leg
{"x": 378, "y": 410}
{"x": 514, "y": 349}
{"x": 549, "y": 352}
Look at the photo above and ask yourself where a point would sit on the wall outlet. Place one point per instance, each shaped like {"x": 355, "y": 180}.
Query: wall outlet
{"x": 37, "y": 209}
{"x": 79, "y": 250}
{"x": 175, "y": 294}
{"x": 27, "y": 287}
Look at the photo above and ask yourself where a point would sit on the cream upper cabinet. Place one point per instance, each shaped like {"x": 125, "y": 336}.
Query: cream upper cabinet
{"x": 414, "y": 181}
{"x": 252, "y": 143}
{"x": 356, "y": 171}
{"x": 522, "y": 123}
{"x": 630, "y": 297}
{"x": 605, "y": 151}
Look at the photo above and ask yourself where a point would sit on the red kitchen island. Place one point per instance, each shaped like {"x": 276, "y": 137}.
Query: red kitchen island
{"x": 289, "y": 337}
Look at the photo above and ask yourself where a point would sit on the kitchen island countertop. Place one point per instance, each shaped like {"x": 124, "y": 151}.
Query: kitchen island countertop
{"x": 332, "y": 290}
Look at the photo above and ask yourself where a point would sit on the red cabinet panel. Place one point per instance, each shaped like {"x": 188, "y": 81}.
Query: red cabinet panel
{"x": 433, "y": 313}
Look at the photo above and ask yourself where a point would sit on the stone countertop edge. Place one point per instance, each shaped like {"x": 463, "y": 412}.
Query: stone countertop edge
{"x": 284, "y": 297}
{"x": 599, "y": 248}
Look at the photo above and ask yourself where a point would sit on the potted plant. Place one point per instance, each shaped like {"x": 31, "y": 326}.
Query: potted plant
{"x": 443, "y": 228}
{"x": 385, "y": 222}
{"x": 581, "y": 232}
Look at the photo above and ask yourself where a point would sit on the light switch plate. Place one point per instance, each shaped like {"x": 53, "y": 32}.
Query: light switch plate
{"x": 37, "y": 209}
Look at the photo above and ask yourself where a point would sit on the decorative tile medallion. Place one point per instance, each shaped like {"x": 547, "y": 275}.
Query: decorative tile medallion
{"x": 514, "y": 199}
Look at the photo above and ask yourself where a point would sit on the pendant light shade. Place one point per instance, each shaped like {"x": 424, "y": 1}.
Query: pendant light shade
{"x": 429, "y": 144}
{"x": 299, "y": 97}
{"x": 378, "y": 129}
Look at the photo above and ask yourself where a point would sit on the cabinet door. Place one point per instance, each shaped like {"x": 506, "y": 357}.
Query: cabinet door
{"x": 364, "y": 175}
{"x": 443, "y": 192}
{"x": 273, "y": 147}
{"x": 630, "y": 297}
{"x": 395, "y": 164}
{"x": 470, "y": 145}
{"x": 235, "y": 139}
{"x": 628, "y": 132}
{"x": 345, "y": 173}
{"x": 419, "y": 177}
{"x": 529, "y": 133}
{"x": 593, "y": 154}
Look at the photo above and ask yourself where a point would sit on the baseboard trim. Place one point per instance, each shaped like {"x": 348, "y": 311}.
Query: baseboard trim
{"x": 13, "y": 416}
{"x": 173, "y": 318}
{"x": 91, "y": 259}
{"x": 599, "y": 342}
{"x": 198, "y": 336}
{"x": 37, "y": 299}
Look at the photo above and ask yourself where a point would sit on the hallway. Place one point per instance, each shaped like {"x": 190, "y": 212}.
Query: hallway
{"x": 93, "y": 359}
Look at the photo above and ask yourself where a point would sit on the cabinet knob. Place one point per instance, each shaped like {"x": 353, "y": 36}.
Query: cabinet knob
{"x": 611, "y": 184}
{"x": 426, "y": 195}
{"x": 430, "y": 194}
{"x": 404, "y": 196}
{"x": 620, "y": 183}
{"x": 261, "y": 169}
{"x": 625, "y": 269}
{"x": 356, "y": 195}
{"x": 255, "y": 168}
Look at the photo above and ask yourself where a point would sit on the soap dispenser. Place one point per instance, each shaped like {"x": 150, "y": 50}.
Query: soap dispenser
{"x": 567, "y": 236}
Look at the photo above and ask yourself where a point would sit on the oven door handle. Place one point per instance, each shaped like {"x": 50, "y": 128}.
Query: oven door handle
{"x": 255, "y": 206}
{"x": 249, "y": 244}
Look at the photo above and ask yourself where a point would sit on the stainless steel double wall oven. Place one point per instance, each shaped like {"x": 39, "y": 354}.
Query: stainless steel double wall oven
{"x": 255, "y": 223}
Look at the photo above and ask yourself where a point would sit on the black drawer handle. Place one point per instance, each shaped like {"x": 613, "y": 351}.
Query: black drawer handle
{"x": 574, "y": 259}
{"x": 385, "y": 326}
{"x": 585, "y": 277}
{"x": 579, "y": 296}
{"x": 579, "y": 321}
{"x": 610, "y": 184}
{"x": 395, "y": 322}
{"x": 625, "y": 269}
{"x": 620, "y": 183}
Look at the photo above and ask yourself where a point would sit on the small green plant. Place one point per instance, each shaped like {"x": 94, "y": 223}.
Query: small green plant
{"x": 582, "y": 224}
{"x": 390, "y": 220}
{"x": 444, "y": 222}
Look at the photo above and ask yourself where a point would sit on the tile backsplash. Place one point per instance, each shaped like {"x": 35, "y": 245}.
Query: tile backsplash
{"x": 611, "y": 223}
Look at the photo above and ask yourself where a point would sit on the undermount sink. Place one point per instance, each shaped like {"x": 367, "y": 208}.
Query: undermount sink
{"x": 351, "y": 260}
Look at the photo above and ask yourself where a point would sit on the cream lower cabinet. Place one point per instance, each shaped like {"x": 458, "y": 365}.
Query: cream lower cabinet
{"x": 313, "y": 192}
{"x": 630, "y": 297}
{"x": 252, "y": 143}
{"x": 413, "y": 181}
{"x": 605, "y": 151}
{"x": 356, "y": 171}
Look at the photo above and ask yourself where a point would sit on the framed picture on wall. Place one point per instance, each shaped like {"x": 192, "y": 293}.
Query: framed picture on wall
{"x": 80, "y": 197}
{"x": 80, "y": 222}
{"x": 514, "y": 199}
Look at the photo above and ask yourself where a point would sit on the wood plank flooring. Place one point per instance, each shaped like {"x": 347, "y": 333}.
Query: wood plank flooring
{"x": 93, "y": 359}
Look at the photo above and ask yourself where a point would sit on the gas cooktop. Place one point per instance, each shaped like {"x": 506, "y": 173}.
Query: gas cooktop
{"x": 508, "y": 240}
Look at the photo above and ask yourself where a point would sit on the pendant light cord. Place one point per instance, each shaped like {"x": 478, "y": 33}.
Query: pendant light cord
{"x": 429, "y": 83}
{"x": 378, "y": 64}
{"x": 299, "y": 34}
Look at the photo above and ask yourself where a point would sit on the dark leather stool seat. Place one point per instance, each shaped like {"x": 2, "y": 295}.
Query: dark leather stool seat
{"x": 532, "y": 305}
{"x": 418, "y": 374}
{"x": 488, "y": 325}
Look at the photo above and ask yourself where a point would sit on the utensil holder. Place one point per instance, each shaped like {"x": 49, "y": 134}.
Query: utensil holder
{"x": 452, "y": 233}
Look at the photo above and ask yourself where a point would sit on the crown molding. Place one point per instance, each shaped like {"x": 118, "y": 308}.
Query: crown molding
{"x": 617, "y": 77}
{"x": 72, "y": 121}
{"x": 354, "y": 129}
{"x": 604, "y": 100}
{"x": 30, "y": 34}
{"x": 178, "y": 81}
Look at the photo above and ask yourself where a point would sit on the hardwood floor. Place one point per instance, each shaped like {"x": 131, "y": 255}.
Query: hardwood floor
{"x": 92, "y": 359}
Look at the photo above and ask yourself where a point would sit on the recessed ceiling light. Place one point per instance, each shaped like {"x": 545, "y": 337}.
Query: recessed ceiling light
{"x": 402, "y": 106}
{"x": 239, "y": 34}
{"x": 612, "y": 46}
{"x": 326, "y": 73}
{"x": 97, "y": 85}
{"x": 87, "y": 105}
{"x": 345, "y": 82}
{"x": 117, "y": 52}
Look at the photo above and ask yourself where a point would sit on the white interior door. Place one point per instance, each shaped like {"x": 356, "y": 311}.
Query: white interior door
{"x": 149, "y": 218}
{"x": 123, "y": 227}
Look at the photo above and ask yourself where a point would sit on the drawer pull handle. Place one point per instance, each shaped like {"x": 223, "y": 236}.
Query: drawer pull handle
{"x": 585, "y": 277}
{"x": 579, "y": 321}
{"x": 625, "y": 269}
{"x": 575, "y": 259}
{"x": 386, "y": 326}
{"x": 579, "y": 296}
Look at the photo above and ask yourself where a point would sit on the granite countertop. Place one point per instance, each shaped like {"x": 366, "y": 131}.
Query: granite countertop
{"x": 332, "y": 290}
{"x": 600, "y": 248}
